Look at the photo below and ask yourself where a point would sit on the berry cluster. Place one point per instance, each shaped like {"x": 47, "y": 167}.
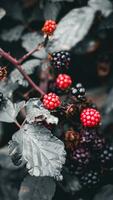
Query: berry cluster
{"x": 82, "y": 155}
{"x": 49, "y": 27}
{"x": 83, "y": 142}
{"x": 78, "y": 91}
{"x": 63, "y": 81}
{"x": 60, "y": 60}
{"x": 90, "y": 117}
{"x": 51, "y": 101}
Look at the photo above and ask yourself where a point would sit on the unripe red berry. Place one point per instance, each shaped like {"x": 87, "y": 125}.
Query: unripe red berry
{"x": 51, "y": 101}
{"x": 49, "y": 27}
{"x": 90, "y": 117}
{"x": 63, "y": 81}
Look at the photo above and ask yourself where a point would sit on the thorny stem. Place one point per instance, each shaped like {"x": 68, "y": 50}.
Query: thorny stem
{"x": 12, "y": 60}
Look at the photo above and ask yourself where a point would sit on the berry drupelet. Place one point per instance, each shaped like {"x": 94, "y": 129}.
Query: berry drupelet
{"x": 90, "y": 179}
{"x": 51, "y": 101}
{"x": 49, "y": 27}
{"x": 63, "y": 81}
{"x": 78, "y": 91}
{"x": 60, "y": 60}
{"x": 90, "y": 117}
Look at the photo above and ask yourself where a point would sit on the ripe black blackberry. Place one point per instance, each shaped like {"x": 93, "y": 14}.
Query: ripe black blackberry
{"x": 79, "y": 92}
{"x": 73, "y": 167}
{"x": 81, "y": 156}
{"x": 98, "y": 143}
{"x": 77, "y": 170}
{"x": 105, "y": 156}
{"x": 90, "y": 179}
{"x": 60, "y": 60}
{"x": 87, "y": 136}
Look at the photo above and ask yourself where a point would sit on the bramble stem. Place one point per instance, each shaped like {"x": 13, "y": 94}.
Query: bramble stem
{"x": 40, "y": 46}
{"x": 27, "y": 55}
{"x": 15, "y": 62}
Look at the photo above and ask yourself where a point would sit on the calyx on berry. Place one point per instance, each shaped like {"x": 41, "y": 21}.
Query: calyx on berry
{"x": 51, "y": 101}
{"x": 63, "y": 81}
{"x": 49, "y": 27}
{"x": 71, "y": 139}
{"x": 90, "y": 117}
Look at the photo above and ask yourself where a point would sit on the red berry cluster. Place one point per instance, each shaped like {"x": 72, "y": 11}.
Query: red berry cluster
{"x": 51, "y": 101}
{"x": 63, "y": 81}
{"x": 90, "y": 117}
{"x": 49, "y": 27}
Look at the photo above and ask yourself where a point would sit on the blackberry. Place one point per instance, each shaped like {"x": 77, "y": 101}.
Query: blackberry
{"x": 98, "y": 143}
{"x": 77, "y": 170}
{"x": 79, "y": 92}
{"x": 81, "y": 156}
{"x": 87, "y": 136}
{"x": 90, "y": 179}
{"x": 105, "y": 156}
{"x": 73, "y": 168}
{"x": 60, "y": 60}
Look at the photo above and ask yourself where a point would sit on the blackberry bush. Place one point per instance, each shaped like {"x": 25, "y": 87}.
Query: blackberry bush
{"x": 59, "y": 129}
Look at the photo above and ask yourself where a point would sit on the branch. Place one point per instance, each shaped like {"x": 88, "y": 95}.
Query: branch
{"x": 40, "y": 46}
{"x": 12, "y": 60}
{"x": 29, "y": 54}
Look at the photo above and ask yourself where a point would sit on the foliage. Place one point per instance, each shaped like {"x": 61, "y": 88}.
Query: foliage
{"x": 38, "y": 147}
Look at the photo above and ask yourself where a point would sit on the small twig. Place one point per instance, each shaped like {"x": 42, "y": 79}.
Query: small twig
{"x": 40, "y": 46}
{"x": 17, "y": 123}
{"x": 30, "y": 53}
{"x": 26, "y": 56}
{"x": 23, "y": 123}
